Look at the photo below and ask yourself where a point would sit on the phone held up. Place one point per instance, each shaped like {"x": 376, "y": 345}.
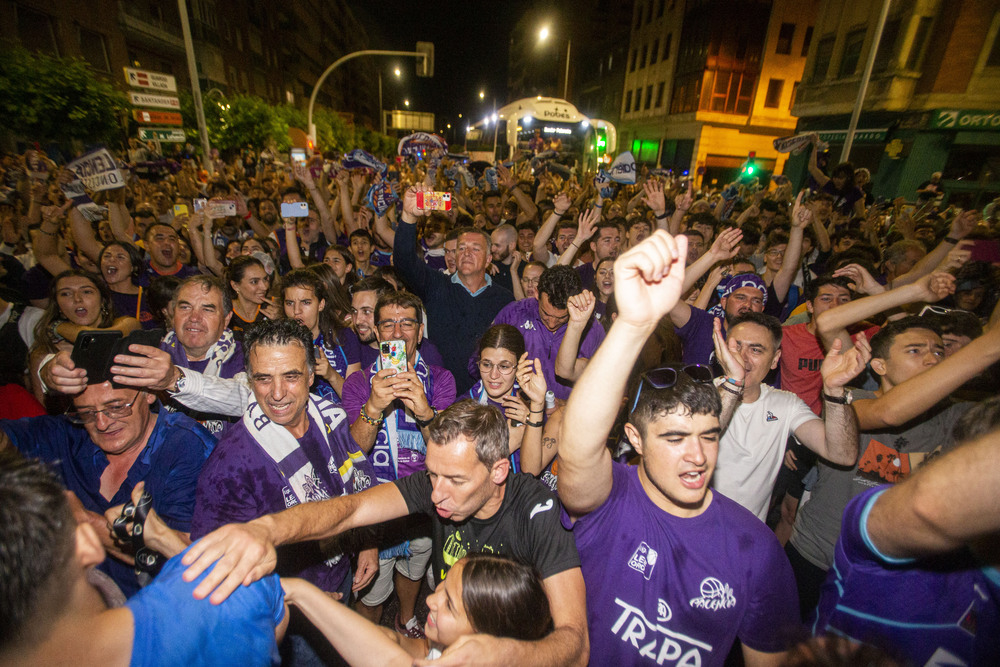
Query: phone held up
{"x": 393, "y": 355}
{"x": 434, "y": 201}
{"x": 295, "y": 209}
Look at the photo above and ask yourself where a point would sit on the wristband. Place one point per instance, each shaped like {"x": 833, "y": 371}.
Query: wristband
{"x": 732, "y": 381}
{"x": 558, "y": 213}
{"x": 734, "y": 392}
{"x": 535, "y": 424}
{"x": 598, "y": 205}
{"x": 952, "y": 240}
{"x": 662, "y": 217}
{"x": 248, "y": 215}
{"x": 425, "y": 423}
{"x": 535, "y": 412}
{"x": 368, "y": 420}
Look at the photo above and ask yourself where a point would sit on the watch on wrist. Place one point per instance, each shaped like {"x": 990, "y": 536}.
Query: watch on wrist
{"x": 179, "y": 381}
{"x": 846, "y": 399}
{"x": 425, "y": 423}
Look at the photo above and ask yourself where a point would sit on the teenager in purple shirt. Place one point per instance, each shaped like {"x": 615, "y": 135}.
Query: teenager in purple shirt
{"x": 688, "y": 571}
{"x": 545, "y": 321}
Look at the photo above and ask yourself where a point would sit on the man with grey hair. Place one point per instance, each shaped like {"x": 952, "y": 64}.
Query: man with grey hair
{"x": 474, "y": 505}
{"x": 503, "y": 241}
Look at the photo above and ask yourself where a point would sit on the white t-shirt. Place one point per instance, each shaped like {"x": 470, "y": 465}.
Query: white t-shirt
{"x": 752, "y": 448}
{"x": 25, "y": 325}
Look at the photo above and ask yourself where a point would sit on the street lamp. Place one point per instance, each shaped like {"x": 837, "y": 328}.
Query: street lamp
{"x": 406, "y": 103}
{"x": 396, "y": 72}
{"x": 482, "y": 94}
{"x": 543, "y": 35}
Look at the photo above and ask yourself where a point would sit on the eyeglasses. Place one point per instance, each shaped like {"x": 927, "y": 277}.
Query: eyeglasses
{"x": 406, "y": 325}
{"x": 775, "y": 253}
{"x": 666, "y": 377}
{"x": 486, "y": 367}
{"x": 111, "y": 412}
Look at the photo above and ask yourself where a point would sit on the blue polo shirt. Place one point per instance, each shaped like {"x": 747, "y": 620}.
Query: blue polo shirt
{"x": 169, "y": 464}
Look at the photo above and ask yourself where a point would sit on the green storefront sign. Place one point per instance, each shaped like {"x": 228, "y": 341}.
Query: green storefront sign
{"x": 965, "y": 119}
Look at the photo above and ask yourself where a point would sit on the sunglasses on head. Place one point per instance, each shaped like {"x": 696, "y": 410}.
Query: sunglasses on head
{"x": 667, "y": 376}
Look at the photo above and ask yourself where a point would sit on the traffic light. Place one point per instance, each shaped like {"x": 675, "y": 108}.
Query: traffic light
{"x": 425, "y": 64}
{"x": 749, "y": 167}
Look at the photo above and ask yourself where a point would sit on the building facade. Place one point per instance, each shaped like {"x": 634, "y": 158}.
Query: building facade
{"x": 933, "y": 103}
{"x": 710, "y": 81}
{"x": 241, "y": 46}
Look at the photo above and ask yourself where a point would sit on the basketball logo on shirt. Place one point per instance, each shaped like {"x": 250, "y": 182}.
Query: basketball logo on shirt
{"x": 644, "y": 560}
{"x": 715, "y": 595}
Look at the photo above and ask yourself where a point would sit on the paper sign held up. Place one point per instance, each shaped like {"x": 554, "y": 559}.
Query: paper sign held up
{"x": 98, "y": 170}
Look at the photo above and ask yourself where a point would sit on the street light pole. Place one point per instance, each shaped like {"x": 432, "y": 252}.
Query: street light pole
{"x": 338, "y": 63}
{"x": 569, "y": 43}
{"x": 865, "y": 78}
{"x": 199, "y": 110}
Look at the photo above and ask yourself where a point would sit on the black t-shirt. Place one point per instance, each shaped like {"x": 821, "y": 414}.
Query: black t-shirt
{"x": 526, "y": 527}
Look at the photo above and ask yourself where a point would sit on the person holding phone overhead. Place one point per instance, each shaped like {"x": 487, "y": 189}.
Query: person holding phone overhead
{"x": 389, "y": 412}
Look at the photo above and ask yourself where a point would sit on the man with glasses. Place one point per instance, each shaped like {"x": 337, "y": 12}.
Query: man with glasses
{"x": 107, "y": 444}
{"x": 544, "y": 323}
{"x": 688, "y": 570}
{"x": 389, "y": 414}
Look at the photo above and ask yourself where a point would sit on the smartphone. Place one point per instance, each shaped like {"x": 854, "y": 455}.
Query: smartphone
{"x": 298, "y": 155}
{"x": 199, "y": 205}
{"x": 93, "y": 352}
{"x": 434, "y": 201}
{"x": 393, "y": 354}
{"x": 221, "y": 208}
{"x": 150, "y": 337}
{"x": 985, "y": 250}
{"x": 180, "y": 209}
{"x": 295, "y": 209}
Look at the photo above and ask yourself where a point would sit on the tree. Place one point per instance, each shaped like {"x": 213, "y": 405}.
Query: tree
{"x": 57, "y": 99}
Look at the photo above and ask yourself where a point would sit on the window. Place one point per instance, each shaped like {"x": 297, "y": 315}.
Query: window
{"x": 666, "y": 45}
{"x": 807, "y": 41}
{"x": 785, "y": 36}
{"x": 659, "y": 94}
{"x": 654, "y": 53}
{"x": 853, "y": 43}
{"x": 638, "y": 99}
{"x": 887, "y": 45}
{"x": 821, "y": 63}
{"x": 919, "y": 41}
{"x": 638, "y": 16}
{"x": 649, "y": 14}
{"x": 94, "y": 49}
{"x": 659, "y": 8}
{"x": 628, "y": 101}
{"x": 642, "y": 58}
{"x": 649, "y": 96}
{"x": 795, "y": 89}
{"x": 773, "y": 97}
{"x": 239, "y": 39}
{"x": 631, "y": 62}
{"x": 730, "y": 92}
{"x": 36, "y": 31}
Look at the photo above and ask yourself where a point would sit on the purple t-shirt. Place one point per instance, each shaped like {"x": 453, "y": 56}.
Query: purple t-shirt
{"x": 149, "y": 273}
{"x": 240, "y": 482}
{"x": 543, "y": 344}
{"x": 358, "y": 388}
{"x": 661, "y": 587}
{"x": 696, "y": 336}
{"x": 924, "y": 611}
{"x": 587, "y": 273}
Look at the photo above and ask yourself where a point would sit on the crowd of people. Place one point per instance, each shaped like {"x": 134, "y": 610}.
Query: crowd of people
{"x": 626, "y": 423}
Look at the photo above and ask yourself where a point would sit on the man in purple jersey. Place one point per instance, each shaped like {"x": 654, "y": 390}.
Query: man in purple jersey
{"x": 686, "y": 571}
{"x": 544, "y": 322}
{"x": 915, "y": 568}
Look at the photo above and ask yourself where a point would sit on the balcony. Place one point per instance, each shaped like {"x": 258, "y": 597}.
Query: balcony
{"x": 151, "y": 31}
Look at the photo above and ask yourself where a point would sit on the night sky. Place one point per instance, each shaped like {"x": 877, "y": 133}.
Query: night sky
{"x": 470, "y": 53}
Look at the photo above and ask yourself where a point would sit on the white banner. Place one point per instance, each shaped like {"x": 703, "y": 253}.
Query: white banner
{"x": 98, "y": 170}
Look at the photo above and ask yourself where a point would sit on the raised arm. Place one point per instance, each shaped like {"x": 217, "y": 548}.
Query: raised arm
{"x": 682, "y": 203}
{"x": 540, "y": 248}
{"x": 303, "y": 175}
{"x": 586, "y": 226}
{"x": 920, "y": 393}
{"x": 960, "y": 228}
{"x": 343, "y": 177}
{"x": 833, "y": 323}
{"x": 569, "y": 365}
{"x": 929, "y": 513}
{"x": 814, "y": 170}
{"x": 648, "y": 281}
{"x": 653, "y": 197}
{"x": 46, "y": 245}
{"x": 524, "y": 202}
{"x": 292, "y": 244}
{"x": 835, "y": 437}
{"x": 801, "y": 217}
